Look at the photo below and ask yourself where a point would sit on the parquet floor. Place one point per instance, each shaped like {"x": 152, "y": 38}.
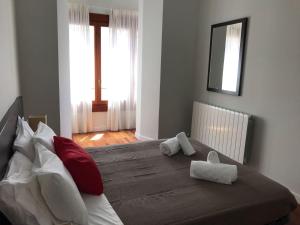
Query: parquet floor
{"x": 99, "y": 139}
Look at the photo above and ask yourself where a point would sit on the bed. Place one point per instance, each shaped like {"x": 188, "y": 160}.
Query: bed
{"x": 146, "y": 188}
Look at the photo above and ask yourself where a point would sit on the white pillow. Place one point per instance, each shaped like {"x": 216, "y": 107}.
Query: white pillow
{"x": 23, "y": 142}
{"x": 44, "y": 135}
{"x": 20, "y": 198}
{"x": 19, "y": 165}
{"x": 58, "y": 188}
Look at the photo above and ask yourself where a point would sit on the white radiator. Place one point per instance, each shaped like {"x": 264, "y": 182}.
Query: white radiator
{"x": 221, "y": 129}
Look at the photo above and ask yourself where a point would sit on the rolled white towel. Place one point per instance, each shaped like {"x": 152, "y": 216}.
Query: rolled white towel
{"x": 185, "y": 144}
{"x": 215, "y": 172}
{"x": 213, "y": 157}
{"x": 170, "y": 147}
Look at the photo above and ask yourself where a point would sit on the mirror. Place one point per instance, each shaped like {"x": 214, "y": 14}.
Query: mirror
{"x": 227, "y": 44}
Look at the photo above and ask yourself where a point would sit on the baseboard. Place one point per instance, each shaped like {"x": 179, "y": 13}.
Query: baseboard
{"x": 143, "y": 138}
{"x": 297, "y": 196}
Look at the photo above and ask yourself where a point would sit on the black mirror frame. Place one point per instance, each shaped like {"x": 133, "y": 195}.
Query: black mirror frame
{"x": 244, "y": 22}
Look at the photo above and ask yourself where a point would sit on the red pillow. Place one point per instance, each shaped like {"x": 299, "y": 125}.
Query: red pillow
{"x": 80, "y": 164}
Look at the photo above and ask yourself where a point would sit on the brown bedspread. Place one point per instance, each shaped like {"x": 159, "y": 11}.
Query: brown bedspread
{"x": 147, "y": 188}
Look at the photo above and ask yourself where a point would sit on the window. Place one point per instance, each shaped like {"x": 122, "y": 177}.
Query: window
{"x": 99, "y": 35}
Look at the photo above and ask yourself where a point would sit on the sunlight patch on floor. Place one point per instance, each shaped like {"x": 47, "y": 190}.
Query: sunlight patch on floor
{"x": 96, "y": 137}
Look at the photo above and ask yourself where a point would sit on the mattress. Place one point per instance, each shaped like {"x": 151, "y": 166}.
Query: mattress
{"x": 100, "y": 211}
{"x": 147, "y": 188}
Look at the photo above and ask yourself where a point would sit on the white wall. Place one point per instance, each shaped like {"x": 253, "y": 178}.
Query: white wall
{"x": 150, "y": 44}
{"x": 100, "y": 121}
{"x": 139, "y": 72}
{"x": 178, "y": 66}
{"x": 36, "y": 23}
{"x": 64, "y": 69}
{"x": 271, "y": 80}
{"x": 9, "y": 82}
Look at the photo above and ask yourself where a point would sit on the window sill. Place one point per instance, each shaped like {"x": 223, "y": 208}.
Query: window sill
{"x": 100, "y": 106}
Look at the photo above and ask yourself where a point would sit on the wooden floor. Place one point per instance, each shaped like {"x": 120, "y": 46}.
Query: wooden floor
{"x": 295, "y": 217}
{"x": 104, "y": 138}
{"x": 123, "y": 137}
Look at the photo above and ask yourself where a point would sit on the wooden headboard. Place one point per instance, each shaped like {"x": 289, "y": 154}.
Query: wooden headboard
{"x": 8, "y": 126}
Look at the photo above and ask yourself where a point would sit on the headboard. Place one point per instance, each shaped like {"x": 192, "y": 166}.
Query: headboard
{"x": 8, "y": 126}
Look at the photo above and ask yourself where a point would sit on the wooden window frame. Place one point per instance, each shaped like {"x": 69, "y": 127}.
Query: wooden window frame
{"x": 98, "y": 21}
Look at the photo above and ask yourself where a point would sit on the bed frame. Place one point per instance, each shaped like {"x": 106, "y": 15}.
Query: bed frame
{"x": 8, "y": 126}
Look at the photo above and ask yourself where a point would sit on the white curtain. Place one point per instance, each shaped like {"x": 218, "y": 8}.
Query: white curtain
{"x": 232, "y": 52}
{"x": 121, "y": 70}
{"x": 80, "y": 67}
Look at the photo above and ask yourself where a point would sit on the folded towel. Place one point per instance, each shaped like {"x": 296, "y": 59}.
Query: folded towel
{"x": 185, "y": 144}
{"x": 215, "y": 172}
{"x": 213, "y": 157}
{"x": 170, "y": 147}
